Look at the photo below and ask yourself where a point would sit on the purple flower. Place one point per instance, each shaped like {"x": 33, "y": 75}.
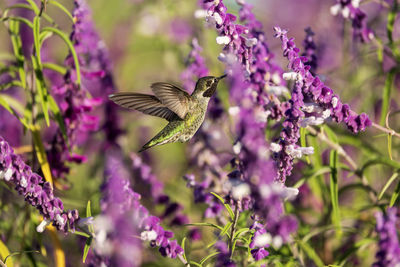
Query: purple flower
{"x": 195, "y": 67}
{"x": 223, "y": 258}
{"x": 36, "y": 191}
{"x": 388, "y": 254}
{"x": 123, "y": 218}
{"x": 310, "y": 50}
{"x": 311, "y": 103}
{"x": 349, "y": 9}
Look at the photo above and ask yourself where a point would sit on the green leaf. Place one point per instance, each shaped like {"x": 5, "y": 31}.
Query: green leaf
{"x": 34, "y": 6}
{"x": 195, "y": 263}
{"x": 41, "y": 87}
{"x": 37, "y": 66}
{"x": 183, "y": 247}
{"x": 41, "y": 153}
{"x": 88, "y": 211}
{"x": 205, "y": 224}
{"x": 58, "y": 117}
{"x": 389, "y": 182}
{"x": 303, "y": 142}
{"x": 241, "y": 231}
{"x": 17, "y": 48}
{"x": 86, "y": 248}
{"x": 89, "y": 214}
{"x": 334, "y": 190}
{"x": 6, "y": 104}
{"x": 62, "y": 8}
{"x": 226, "y": 229}
{"x": 208, "y": 257}
{"x": 311, "y": 253}
{"x": 5, "y": 86}
{"x": 227, "y": 206}
{"x": 380, "y": 160}
{"x": 386, "y": 95}
{"x": 55, "y": 67}
{"x": 65, "y": 38}
{"x": 395, "y": 195}
{"x": 4, "y": 253}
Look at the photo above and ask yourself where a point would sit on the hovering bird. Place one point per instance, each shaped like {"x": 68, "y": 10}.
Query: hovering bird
{"x": 185, "y": 113}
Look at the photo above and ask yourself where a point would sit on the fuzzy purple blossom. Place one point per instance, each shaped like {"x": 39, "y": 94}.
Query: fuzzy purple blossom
{"x": 312, "y": 102}
{"x": 349, "y": 9}
{"x": 310, "y": 50}
{"x": 35, "y": 190}
{"x": 388, "y": 254}
{"x": 121, "y": 204}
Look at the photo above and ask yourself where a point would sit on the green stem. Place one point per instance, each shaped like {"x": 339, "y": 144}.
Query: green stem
{"x": 233, "y": 228}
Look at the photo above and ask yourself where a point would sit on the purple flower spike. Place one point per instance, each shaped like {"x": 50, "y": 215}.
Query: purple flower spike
{"x": 388, "y": 254}
{"x": 36, "y": 191}
{"x": 311, "y": 104}
{"x": 124, "y": 219}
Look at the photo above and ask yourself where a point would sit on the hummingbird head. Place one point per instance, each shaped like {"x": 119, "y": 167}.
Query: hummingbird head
{"x": 206, "y": 86}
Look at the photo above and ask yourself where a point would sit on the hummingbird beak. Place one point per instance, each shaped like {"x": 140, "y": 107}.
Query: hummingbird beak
{"x": 221, "y": 77}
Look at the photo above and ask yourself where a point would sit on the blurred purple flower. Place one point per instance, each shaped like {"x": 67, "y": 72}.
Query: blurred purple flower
{"x": 388, "y": 254}
{"x": 349, "y": 9}
{"x": 124, "y": 219}
{"x": 180, "y": 30}
{"x": 310, "y": 51}
{"x": 36, "y": 191}
{"x": 224, "y": 256}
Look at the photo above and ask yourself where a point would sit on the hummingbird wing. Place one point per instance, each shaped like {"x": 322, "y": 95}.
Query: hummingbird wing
{"x": 175, "y": 98}
{"x": 148, "y": 104}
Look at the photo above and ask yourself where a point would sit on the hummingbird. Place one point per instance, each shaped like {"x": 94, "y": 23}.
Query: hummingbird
{"x": 185, "y": 113}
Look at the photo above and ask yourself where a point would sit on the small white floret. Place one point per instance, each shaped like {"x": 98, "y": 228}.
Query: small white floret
{"x": 218, "y": 18}
{"x": 277, "y": 242}
{"x": 237, "y": 148}
{"x": 233, "y": 111}
{"x": 326, "y": 113}
{"x": 289, "y": 193}
{"x": 290, "y": 76}
{"x": 223, "y": 40}
{"x": 334, "y": 101}
{"x": 40, "y": 228}
{"x": 23, "y": 182}
{"x": 148, "y": 235}
{"x": 262, "y": 240}
{"x": 335, "y": 9}
{"x": 251, "y": 42}
{"x": 8, "y": 174}
{"x": 200, "y": 14}
{"x": 240, "y": 191}
{"x": 274, "y": 147}
{"x": 346, "y": 12}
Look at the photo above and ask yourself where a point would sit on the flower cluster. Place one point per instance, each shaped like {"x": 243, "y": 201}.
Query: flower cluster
{"x": 36, "y": 191}
{"x": 123, "y": 218}
{"x": 312, "y": 102}
{"x": 389, "y": 247}
{"x": 73, "y": 100}
{"x": 252, "y": 180}
{"x": 350, "y": 10}
{"x": 155, "y": 189}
